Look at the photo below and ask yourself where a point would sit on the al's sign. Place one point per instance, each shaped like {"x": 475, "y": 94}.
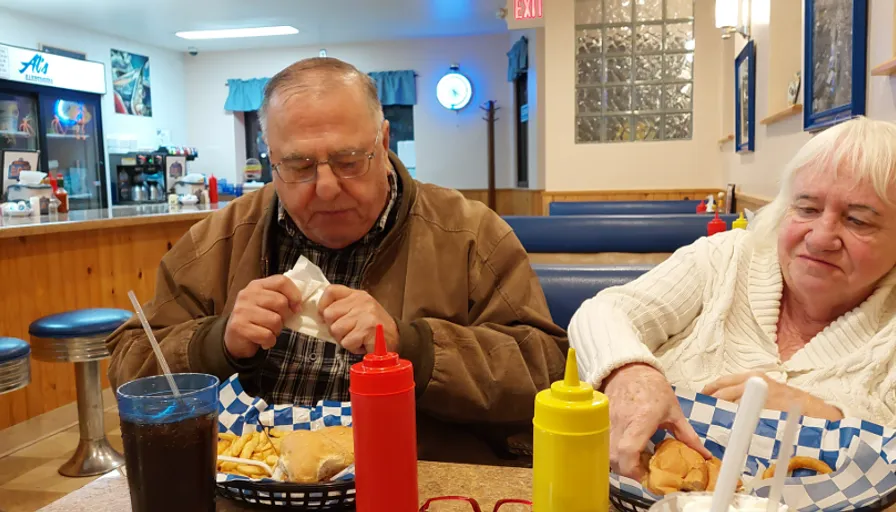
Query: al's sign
{"x": 35, "y": 67}
{"x": 527, "y": 9}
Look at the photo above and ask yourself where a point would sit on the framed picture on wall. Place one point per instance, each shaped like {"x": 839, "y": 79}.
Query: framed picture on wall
{"x": 14, "y": 162}
{"x": 745, "y": 99}
{"x": 835, "y": 60}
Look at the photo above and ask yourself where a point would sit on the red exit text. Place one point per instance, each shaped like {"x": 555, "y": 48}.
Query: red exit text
{"x": 527, "y": 9}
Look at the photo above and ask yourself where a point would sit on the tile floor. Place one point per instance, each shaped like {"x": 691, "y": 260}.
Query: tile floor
{"x": 29, "y": 478}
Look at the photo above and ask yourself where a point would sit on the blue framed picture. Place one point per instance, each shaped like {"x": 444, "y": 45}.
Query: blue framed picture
{"x": 835, "y": 61}
{"x": 745, "y": 99}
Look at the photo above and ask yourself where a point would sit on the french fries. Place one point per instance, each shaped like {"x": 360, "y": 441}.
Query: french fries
{"x": 251, "y": 445}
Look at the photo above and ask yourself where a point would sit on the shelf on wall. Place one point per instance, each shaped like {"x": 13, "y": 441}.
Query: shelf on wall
{"x": 783, "y": 114}
{"x": 726, "y": 139}
{"x": 886, "y": 69}
{"x": 17, "y": 134}
{"x": 67, "y": 136}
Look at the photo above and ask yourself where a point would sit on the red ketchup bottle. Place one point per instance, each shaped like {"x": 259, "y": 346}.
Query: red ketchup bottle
{"x": 716, "y": 225}
{"x": 701, "y": 208}
{"x": 385, "y": 431}
{"x": 213, "y": 190}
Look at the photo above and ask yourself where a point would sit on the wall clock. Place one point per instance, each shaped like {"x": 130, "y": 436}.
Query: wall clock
{"x": 454, "y": 90}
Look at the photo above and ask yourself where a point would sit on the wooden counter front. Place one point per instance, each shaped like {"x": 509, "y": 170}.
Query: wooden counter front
{"x": 89, "y": 259}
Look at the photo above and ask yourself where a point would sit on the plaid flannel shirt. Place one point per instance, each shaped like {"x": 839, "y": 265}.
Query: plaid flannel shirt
{"x": 300, "y": 369}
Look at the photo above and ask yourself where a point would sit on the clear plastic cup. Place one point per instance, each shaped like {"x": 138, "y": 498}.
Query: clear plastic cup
{"x": 701, "y": 502}
{"x": 170, "y": 444}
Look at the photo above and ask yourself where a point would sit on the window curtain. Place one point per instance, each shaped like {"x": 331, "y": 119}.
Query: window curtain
{"x": 518, "y": 59}
{"x": 245, "y": 95}
{"x": 396, "y": 87}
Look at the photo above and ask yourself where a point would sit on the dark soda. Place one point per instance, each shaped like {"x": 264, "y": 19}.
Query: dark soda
{"x": 171, "y": 466}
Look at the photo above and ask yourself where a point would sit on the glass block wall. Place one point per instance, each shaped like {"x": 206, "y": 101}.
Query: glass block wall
{"x": 634, "y": 70}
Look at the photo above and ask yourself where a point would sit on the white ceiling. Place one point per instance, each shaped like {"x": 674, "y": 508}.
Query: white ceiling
{"x": 320, "y": 22}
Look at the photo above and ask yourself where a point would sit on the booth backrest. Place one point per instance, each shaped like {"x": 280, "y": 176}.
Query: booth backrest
{"x": 566, "y": 287}
{"x": 622, "y": 207}
{"x": 610, "y": 233}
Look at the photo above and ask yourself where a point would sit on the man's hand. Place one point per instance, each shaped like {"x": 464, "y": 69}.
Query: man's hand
{"x": 258, "y": 315}
{"x": 642, "y": 402}
{"x": 780, "y": 396}
{"x": 352, "y": 316}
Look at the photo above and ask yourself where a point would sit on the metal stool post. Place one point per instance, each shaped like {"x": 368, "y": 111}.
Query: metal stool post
{"x": 79, "y": 337}
{"x": 94, "y": 455}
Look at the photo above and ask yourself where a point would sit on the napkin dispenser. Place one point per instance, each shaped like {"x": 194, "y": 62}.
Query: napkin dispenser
{"x": 19, "y": 192}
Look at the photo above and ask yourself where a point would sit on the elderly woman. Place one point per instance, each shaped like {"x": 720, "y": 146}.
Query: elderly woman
{"x": 804, "y": 298}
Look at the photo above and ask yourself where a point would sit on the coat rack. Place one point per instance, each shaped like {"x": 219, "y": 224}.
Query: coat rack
{"x": 490, "y": 107}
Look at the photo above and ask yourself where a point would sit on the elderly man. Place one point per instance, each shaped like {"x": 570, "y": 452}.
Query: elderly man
{"x": 445, "y": 276}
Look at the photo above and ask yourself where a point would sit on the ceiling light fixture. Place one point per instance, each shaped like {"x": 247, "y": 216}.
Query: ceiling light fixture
{"x": 228, "y": 33}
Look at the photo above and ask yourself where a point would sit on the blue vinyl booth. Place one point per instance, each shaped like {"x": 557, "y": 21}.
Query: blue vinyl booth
{"x": 566, "y": 287}
{"x": 610, "y": 233}
{"x": 623, "y": 207}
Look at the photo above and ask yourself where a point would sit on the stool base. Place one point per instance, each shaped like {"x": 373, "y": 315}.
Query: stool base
{"x": 92, "y": 458}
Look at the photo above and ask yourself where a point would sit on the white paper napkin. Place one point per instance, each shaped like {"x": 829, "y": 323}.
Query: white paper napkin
{"x": 311, "y": 283}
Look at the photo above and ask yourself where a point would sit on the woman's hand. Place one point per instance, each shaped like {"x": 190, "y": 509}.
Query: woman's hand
{"x": 642, "y": 402}
{"x": 780, "y": 396}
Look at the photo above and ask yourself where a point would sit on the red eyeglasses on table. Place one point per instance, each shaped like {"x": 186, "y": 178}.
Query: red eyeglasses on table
{"x": 463, "y": 504}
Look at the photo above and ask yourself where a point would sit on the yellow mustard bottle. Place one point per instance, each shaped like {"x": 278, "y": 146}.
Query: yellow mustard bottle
{"x": 571, "y": 446}
{"x": 740, "y": 222}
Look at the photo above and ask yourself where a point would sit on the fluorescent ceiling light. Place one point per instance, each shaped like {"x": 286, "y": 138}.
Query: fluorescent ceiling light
{"x": 228, "y": 33}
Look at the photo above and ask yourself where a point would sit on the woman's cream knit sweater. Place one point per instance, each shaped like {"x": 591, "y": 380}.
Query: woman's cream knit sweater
{"x": 712, "y": 310}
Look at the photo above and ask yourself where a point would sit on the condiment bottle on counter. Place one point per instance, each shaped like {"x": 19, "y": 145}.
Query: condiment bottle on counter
{"x": 385, "y": 431}
{"x": 61, "y": 194}
{"x": 716, "y": 225}
{"x": 740, "y": 222}
{"x": 213, "y": 189}
{"x": 701, "y": 208}
{"x": 571, "y": 448}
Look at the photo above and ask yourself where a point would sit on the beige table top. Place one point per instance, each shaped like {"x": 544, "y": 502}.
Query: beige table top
{"x": 113, "y": 217}
{"x": 485, "y": 483}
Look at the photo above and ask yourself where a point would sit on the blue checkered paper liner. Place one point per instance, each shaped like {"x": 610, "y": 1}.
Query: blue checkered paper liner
{"x": 239, "y": 413}
{"x": 861, "y": 453}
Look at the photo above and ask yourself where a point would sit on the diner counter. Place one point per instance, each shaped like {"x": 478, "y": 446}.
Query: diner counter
{"x": 84, "y": 259}
{"x": 112, "y": 217}
{"x": 486, "y": 484}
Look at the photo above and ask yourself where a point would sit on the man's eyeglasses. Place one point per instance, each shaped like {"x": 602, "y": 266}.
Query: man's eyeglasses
{"x": 347, "y": 165}
{"x": 462, "y": 504}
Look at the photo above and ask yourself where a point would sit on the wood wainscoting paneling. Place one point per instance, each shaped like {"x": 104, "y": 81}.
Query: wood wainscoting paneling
{"x": 510, "y": 201}
{"x": 52, "y": 273}
{"x": 752, "y": 203}
{"x": 625, "y": 195}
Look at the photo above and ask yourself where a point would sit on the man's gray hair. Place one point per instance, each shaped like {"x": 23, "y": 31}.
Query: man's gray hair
{"x": 861, "y": 148}
{"x": 317, "y": 75}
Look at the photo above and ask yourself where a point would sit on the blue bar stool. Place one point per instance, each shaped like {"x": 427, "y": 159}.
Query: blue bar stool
{"x": 15, "y": 364}
{"x": 79, "y": 337}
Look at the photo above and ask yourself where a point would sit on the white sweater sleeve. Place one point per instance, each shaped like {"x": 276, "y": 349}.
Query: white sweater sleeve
{"x": 627, "y": 324}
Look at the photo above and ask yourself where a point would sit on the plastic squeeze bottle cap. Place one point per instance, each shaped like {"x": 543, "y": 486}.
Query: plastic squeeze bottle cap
{"x": 381, "y": 372}
{"x": 701, "y": 208}
{"x": 571, "y": 406}
{"x": 740, "y": 222}
{"x": 716, "y": 225}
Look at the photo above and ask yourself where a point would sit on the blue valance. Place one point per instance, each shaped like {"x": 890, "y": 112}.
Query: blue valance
{"x": 396, "y": 87}
{"x": 245, "y": 95}
{"x": 518, "y": 59}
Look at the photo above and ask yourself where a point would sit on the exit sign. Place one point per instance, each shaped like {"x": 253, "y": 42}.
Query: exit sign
{"x": 527, "y": 9}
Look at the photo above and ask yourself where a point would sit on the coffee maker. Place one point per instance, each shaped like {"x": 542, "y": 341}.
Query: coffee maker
{"x": 139, "y": 178}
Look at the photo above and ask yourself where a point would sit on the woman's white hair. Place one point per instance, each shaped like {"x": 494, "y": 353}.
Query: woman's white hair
{"x": 861, "y": 148}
